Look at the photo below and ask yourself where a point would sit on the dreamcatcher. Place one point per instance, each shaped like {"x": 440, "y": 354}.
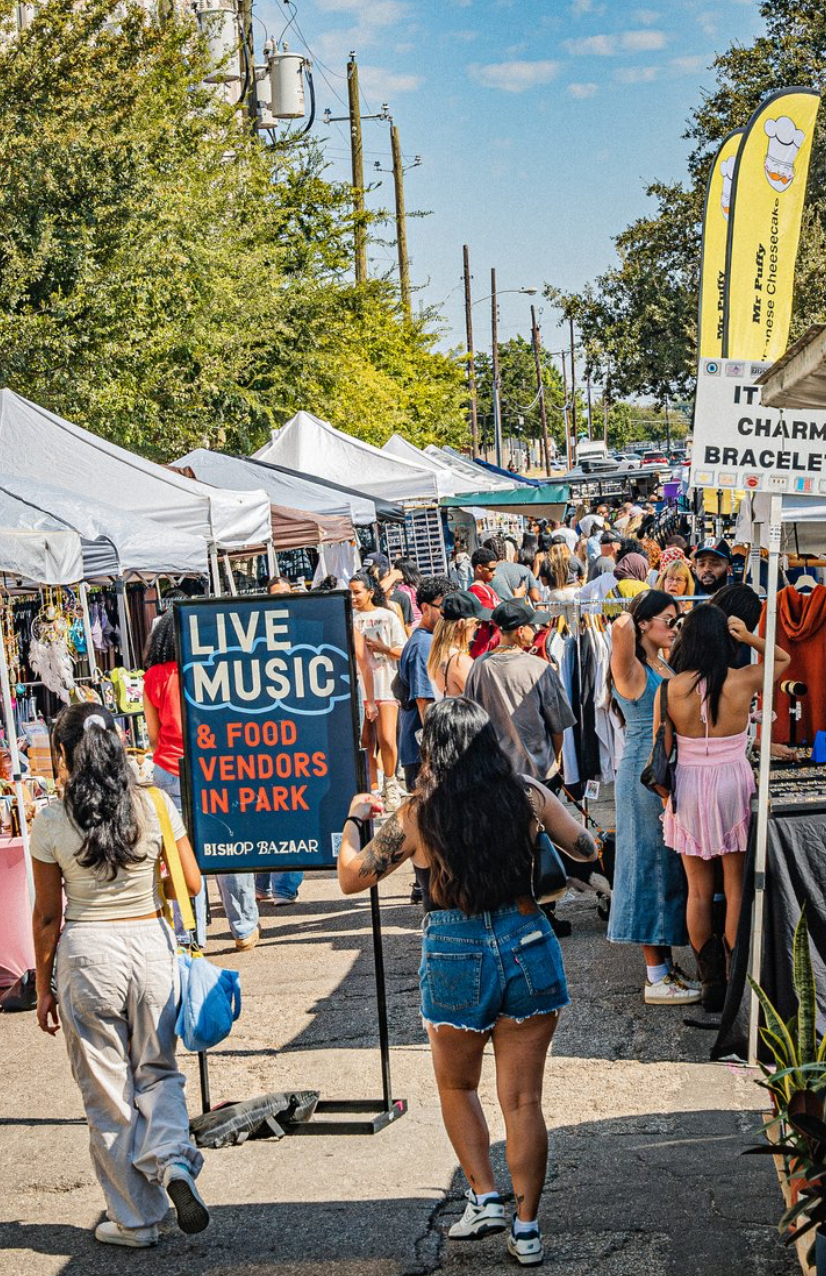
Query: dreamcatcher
{"x": 53, "y": 647}
{"x": 8, "y": 637}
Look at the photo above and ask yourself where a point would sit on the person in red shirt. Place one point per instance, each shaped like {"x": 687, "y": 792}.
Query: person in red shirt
{"x": 484, "y": 562}
{"x": 162, "y": 710}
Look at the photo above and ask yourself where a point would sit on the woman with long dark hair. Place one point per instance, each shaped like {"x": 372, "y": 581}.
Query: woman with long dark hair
{"x": 117, "y": 976}
{"x": 384, "y": 638}
{"x": 648, "y": 900}
{"x": 491, "y": 964}
{"x": 708, "y": 708}
{"x": 408, "y": 579}
{"x": 162, "y": 710}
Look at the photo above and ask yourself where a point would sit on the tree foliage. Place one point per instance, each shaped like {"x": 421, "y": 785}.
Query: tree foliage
{"x": 639, "y": 319}
{"x": 166, "y": 279}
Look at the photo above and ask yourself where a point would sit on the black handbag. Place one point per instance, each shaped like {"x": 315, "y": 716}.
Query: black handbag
{"x": 549, "y": 876}
{"x": 659, "y": 773}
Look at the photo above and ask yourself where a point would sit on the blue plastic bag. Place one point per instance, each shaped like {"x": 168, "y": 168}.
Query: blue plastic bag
{"x": 210, "y": 1002}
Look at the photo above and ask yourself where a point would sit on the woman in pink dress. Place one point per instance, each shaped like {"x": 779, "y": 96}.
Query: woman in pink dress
{"x": 708, "y": 817}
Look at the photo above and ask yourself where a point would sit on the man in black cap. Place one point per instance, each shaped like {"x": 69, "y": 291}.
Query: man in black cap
{"x": 522, "y": 693}
{"x": 712, "y": 566}
{"x": 609, "y": 547}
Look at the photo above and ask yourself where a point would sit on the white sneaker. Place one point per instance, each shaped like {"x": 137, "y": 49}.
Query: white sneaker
{"x": 526, "y": 1248}
{"x": 391, "y": 796}
{"x": 670, "y": 991}
{"x": 110, "y": 1233}
{"x": 680, "y": 974}
{"x": 599, "y": 882}
{"x": 193, "y": 1215}
{"x": 479, "y": 1220}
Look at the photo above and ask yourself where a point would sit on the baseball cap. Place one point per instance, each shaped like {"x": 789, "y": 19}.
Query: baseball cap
{"x": 377, "y": 560}
{"x": 463, "y": 605}
{"x": 509, "y": 616}
{"x": 610, "y": 538}
{"x": 720, "y": 548}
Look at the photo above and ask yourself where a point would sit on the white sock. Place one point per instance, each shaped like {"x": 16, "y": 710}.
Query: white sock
{"x": 482, "y": 1198}
{"x": 656, "y": 973}
{"x": 520, "y": 1227}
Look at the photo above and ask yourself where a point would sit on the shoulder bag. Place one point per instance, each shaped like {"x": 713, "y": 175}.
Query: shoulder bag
{"x": 549, "y": 876}
{"x": 210, "y": 996}
{"x": 659, "y": 772}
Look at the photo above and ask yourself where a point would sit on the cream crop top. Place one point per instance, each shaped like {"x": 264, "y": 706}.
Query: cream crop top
{"x": 89, "y": 896}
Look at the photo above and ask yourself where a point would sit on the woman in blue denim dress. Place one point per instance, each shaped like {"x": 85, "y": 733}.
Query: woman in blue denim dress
{"x": 491, "y": 964}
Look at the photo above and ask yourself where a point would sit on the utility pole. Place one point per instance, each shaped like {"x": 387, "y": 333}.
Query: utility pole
{"x": 540, "y": 385}
{"x": 359, "y": 229}
{"x": 667, "y": 430}
{"x": 247, "y": 57}
{"x": 606, "y": 406}
{"x": 497, "y": 407}
{"x": 471, "y": 362}
{"x": 573, "y": 385}
{"x": 567, "y": 421}
{"x": 401, "y": 223}
{"x": 590, "y": 423}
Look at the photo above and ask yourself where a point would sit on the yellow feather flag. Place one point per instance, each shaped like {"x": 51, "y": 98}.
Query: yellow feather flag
{"x": 767, "y": 196}
{"x": 715, "y": 238}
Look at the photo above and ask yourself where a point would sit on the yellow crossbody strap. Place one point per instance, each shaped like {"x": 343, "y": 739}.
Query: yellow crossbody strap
{"x": 173, "y": 860}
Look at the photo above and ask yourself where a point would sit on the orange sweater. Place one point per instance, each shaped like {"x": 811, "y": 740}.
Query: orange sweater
{"x": 801, "y": 631}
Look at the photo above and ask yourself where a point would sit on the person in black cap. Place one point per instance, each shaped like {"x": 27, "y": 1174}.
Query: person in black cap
{"x": 450, "y": 660}
{"x": 610, "y": 544}
{"x": 712, "y": 566}
{"x": 521, "y": 693}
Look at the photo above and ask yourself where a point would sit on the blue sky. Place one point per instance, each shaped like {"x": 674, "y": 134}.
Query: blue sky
{"x": 538, "y": 123}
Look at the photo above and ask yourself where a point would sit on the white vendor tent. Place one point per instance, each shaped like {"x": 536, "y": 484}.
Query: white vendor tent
{"x": 283, "y": 490}
{"x": 431, "y": 459}
{"x": 48, "y": 558}
{"x": 309, "y": 444}
{"x": 801, "y": 523}
{"x": 476, "y": 477}
{"x": 36, "y": 444}
{"x": 115, "y": 542}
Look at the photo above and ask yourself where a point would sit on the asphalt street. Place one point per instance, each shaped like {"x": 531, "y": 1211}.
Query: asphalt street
{"x": 645, "y": 1174}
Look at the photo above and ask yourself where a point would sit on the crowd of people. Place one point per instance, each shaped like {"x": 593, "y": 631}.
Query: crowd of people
{"x": 463, "y": 718}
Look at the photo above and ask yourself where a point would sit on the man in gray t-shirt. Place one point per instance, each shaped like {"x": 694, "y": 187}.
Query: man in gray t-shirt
{"x": 510, "y": 577}
{"x": 521, "y": 693}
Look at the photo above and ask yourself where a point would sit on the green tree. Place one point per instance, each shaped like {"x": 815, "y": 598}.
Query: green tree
{"x": 518, "y": 396}
{"x": 638, "y": 319}
{"x": 165, "y": 278}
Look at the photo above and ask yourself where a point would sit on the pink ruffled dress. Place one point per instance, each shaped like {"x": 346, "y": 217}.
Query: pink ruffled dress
{"x": 714, "y": 784}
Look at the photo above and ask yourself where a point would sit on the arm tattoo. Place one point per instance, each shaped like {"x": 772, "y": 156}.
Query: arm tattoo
{"x": 385, "y": 852}
{"x": 584, "y": 844}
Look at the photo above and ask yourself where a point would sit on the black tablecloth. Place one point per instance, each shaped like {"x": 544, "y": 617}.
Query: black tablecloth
{"x": 795, "y": 875}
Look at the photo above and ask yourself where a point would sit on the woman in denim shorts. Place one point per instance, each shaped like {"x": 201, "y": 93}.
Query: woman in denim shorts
{"x": 491, "y": 964}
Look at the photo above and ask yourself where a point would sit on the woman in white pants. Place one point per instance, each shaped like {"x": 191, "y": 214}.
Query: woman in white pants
{"x": 117, "y": 976}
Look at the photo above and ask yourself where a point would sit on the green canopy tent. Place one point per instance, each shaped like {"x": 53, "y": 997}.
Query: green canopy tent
{"x": 547, "y": 501}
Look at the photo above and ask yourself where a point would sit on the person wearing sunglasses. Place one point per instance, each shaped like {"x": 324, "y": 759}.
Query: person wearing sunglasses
{"x": 648, "y": 903}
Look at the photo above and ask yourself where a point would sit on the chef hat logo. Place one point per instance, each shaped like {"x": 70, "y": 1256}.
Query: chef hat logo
{"x": 727, "y": 172}
{"x": 785, "y": 140}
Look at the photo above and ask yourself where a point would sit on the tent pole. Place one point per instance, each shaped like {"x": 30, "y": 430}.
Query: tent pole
{"x": 17, "y": 777}
{"x": 233, "y": 589}
{"x": 272, "y": 560}
{"x": 754, "y": 556}
{"x": 216, "y": 574}
{"x": 87, "y": 629}
{"x": 763, "y": 801}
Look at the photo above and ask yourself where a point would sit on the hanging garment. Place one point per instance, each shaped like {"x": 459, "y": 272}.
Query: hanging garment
{"x": 801, "y": 631}
{"x": 568, "y": 672}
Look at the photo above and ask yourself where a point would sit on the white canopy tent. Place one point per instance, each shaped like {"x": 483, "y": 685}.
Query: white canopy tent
{"x": 38, "y": 445}
{"x": 477, "y": 478}
{"x": 463, "y": 478}
{"x": 802, "y": 523}
{"x": 115, "y": 543}
{"x": 282, "y": 489}
{"x": 313, "y": 446}
{"x": 45, "y": 558}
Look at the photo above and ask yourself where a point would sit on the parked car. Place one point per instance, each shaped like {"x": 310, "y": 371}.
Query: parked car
{"x": 654, "y": 458}
{"x": 627, "y": 461}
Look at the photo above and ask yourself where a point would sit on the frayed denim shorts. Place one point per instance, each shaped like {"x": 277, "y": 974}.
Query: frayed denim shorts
{"x": 477, "y": 969}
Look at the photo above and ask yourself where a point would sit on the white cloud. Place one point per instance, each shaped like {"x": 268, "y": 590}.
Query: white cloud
{"x": 583, "y": 90}
{"x": 463, "y": 37}
{"x": 708, "y": 22}
{"x": 643, "y": 41}
{"x": 692, "y": 62}
{"x": 646, "y": 16}
{"x": 379, "y": 82}
{"x": 636, "y": 74}
{"x": 378, "y": 13}
{"x": 513, "y": 77}
{"x": 608, "y": 46}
